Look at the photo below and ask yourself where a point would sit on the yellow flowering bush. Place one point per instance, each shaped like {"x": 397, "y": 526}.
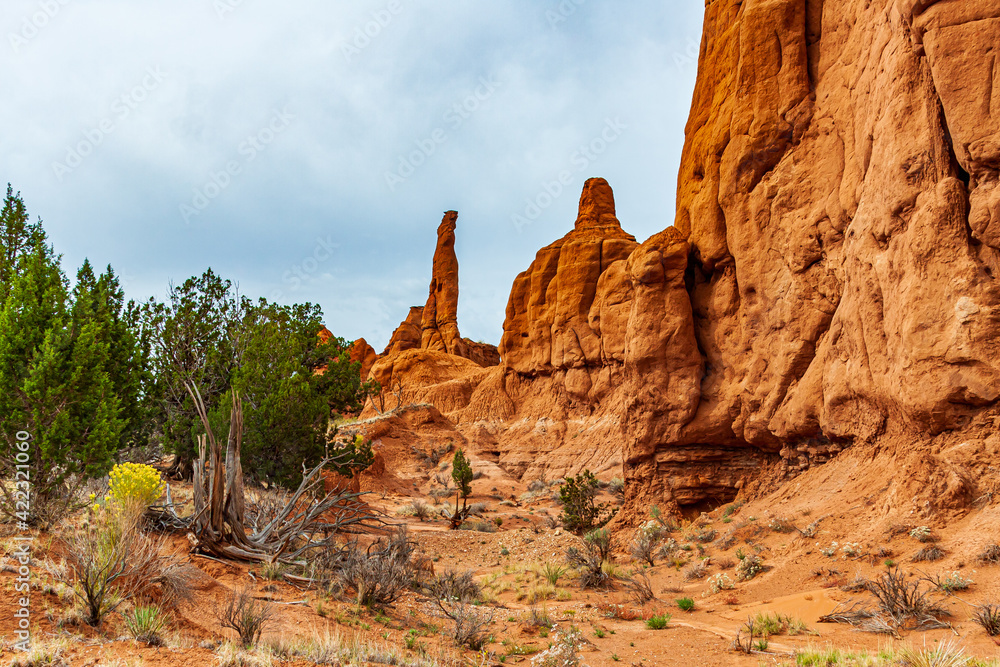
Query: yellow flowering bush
{"x": 135, "y": 485}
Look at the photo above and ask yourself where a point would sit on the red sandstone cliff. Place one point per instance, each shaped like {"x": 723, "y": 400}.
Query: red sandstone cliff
{"x": 829, "y": 282}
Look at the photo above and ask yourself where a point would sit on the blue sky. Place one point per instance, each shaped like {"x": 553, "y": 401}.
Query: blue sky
{"x": 307, "y": 150}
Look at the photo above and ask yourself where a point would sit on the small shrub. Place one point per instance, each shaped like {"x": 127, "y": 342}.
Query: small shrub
{"x": 641, "y": 589}
{"x": 695, "y": 570}
{"x": 134, "y": 486}
{"x": 658, "y": 621}
{"x": 990, "y": 555}
{"x": 719, "y": 582}
{"x": 781, "y": 525}
{"x": 685, "y": 604}
{"x": 539, "y": 618}
{"x": 616, "y": 486}
{"x": 988, "y": 616}
{"x": 749, "y": 567}
{"x": 580, "y": 512}
{"x": 564, "y": 651}
{"x": 952, "y": 581}
{"x": 646, "y": 544}
{"x": 452, "y": 585}
{"x": 921, "y": 534}
{"x": 930, "y": 554}
{"x": 239, "y": 611}
{"x": 272, "y": 570}
{"x": 378, "y": 575}
{"x": 146, "y": 624}
{"x": 851, "y": 549}
{"x": 945, "y": 654}
{"x": 705, "y": 536}
{"x": 471, "y": 622}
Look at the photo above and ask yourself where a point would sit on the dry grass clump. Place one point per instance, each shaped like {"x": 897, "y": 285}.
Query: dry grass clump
{"x": 988, "y": 616}
{"x": 241, "y": 612}
{"x": 900, "y": 603}
{"x": 452, "y": 585}
{"x": 990, "y": 555}
{"x": 930, "y": 554}
{"x": 377, "y": 575}
{"x": 694, "y": 571}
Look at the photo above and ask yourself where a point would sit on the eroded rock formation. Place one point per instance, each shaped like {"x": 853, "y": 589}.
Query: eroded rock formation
{"x": 829, "y": 282}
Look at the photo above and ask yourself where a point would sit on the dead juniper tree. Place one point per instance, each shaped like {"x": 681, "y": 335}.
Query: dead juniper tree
{"x": 219, "y": 525}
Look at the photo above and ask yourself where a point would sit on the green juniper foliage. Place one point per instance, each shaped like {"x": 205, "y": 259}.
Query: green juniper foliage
{"x": 61, "y": 360}
{"x": 580, "y": 513}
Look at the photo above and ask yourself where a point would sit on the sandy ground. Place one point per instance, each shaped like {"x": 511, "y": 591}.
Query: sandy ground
{"x": 800, "y": 581}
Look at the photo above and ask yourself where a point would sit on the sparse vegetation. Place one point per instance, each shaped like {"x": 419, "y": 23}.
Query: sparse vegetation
{"x": 146, "y": 624}
{"x": 580, "y": 512}
{"x": 930, "y": 554}
{"x": 590, "y": 560}
{"x": 921, "y": 534}
{"x": 990, "y": 555}
{"x": 240, "y": 611}
{"x": 988, "y": 616}
{"x": 377, "y": 575}
{"x": 685, "y": 604}
{"x": 564, "y": 651}
{"x": 658, "y": 621}
{"x": 749, "y": 567}
{"x": 719, "y": 582}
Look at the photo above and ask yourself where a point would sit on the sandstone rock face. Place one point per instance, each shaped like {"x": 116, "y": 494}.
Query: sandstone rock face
{"x": 838, "y": 188}
{"x": 830, "y": 280}
{"x": 364, "y": 353}
{"x": 549, "y": 328}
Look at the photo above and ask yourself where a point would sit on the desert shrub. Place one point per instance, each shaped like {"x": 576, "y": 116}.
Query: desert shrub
{"x": 990, "y": 555}
{"x": 110, "y": 561}
{"x": 452, "y": 585}
{"x": 951, "y": 581}
{"x": 590, "y": 560}
{"x": 640, "y": 588}
{"x": 767, "y": 625}
{"x": 726, "y": 563}
{"x": 377, "y": 575}
{"x": 921, "y": 534}
{"x": 43, "y": 653}
{"x": 645, "y": 546}
{"x": 616, "y": 486}
{"x": 658, "y": 621}
{"x": 539, "y": 618}
{"x": 852, "y": 549}
{"x": 930, "y": 554}
{"x": 564, "y": 651}
{"x": 727, "y": 541}
{"x": 480, "y": 526}
{"x": 580, "y": 512}
{"x": 470, "y": 622}
{"x": 988, "y": 616}
{"x": 146, "y": 624}
{"x": 669, "y": 525}
{"x": 685, "y": 604}
{"x": 239, "y": 611}
{"x": 705, "y": 535}
{"x": 901, "y": 599}
{"x": 781, "y": 525}
{"x": 749, "y": 567}
{"x": 418, "y": 508}
{"x": 134, "y": 486}
{"x": 695, "y": 571}
{"x": 719, "y": 582}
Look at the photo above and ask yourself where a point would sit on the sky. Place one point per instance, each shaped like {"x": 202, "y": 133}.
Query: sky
{"x": 307, "y": 150}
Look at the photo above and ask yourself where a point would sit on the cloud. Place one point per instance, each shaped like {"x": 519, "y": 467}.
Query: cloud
{"x": 280, "y": 124}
